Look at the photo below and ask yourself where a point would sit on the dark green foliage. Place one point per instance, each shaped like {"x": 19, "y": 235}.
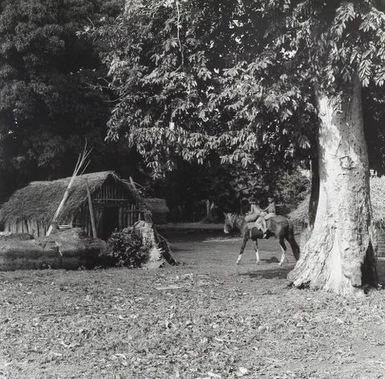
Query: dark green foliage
{"x": 291, "y": 190}
{"x": 126, "y": 249}
{"x": 287, "y": 189}
{"x": 374, "y": 115}
{"x": 242, "y": 89}
{"x": 167, "y": 67}
{"x": 188, "y": 186}
{"x": 229, "y": 187}
{"x": 48, "y": 100}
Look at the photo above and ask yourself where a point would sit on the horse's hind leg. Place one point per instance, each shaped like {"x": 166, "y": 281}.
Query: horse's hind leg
{"x": 283, "y": 248}
{"x": 294, "y": 246}
{"x": 245, "y": 239}
{"x": 257, "y": 259}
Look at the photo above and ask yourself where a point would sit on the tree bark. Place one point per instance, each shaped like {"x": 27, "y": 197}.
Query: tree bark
{"x": 339, "y": 255}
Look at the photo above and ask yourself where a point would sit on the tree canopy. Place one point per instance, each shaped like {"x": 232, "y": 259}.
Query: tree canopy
{"x": 184, "y": 91}
{"x": 244, "y": 87}
{"x": 48, "y": 100}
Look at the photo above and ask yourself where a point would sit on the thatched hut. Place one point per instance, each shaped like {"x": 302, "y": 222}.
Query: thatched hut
{"x": 115, "y": 202}
{"x": 159, "y": 210}
{"x": 300, "y": 216}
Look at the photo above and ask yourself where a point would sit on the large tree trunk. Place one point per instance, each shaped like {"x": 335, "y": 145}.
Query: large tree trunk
{"x": 339, "y": 255}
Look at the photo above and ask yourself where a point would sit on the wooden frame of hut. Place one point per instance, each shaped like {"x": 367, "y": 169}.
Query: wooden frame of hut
{"x": 116, "y": 204}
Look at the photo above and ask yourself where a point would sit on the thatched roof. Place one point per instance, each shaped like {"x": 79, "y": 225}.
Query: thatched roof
{"x": 377, "y": 194}
{"x": 39, "y": 200}
{"x": 157, "y": 205}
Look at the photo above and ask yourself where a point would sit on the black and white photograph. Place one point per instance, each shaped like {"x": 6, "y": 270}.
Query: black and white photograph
{"x": 192, "y": 189}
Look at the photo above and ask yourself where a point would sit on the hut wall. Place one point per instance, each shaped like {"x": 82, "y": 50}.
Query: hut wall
{"x": 32, "y": 227}
{"x": 82, "y": 220}
{"x": 111, "y": 195}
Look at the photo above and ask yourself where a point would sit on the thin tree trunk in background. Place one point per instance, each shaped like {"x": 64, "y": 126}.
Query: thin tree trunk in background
{"x": 339, "y": 255}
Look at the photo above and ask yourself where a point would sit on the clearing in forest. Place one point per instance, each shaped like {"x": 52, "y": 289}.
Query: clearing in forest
{"x": 207, "y": 318}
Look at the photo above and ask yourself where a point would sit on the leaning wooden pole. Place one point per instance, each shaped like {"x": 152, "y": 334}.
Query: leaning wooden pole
{"x": 61, "y": 205}
{"x": 81, "y": 164}
{"x": 90, "y": 207}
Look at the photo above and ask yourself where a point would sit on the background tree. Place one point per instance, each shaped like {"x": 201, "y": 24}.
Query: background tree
{"x": 189, "y": 186}
{"x": 49, "y": 102}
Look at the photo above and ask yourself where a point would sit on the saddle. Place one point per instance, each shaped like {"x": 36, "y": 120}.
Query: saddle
{"x": 251, "y": 225}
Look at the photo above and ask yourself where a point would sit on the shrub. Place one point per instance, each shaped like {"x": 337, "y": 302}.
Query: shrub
{"x": 126, "y": 249}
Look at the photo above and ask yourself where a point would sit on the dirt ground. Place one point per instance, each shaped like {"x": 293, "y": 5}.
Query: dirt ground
{"x": 206, "y": 318}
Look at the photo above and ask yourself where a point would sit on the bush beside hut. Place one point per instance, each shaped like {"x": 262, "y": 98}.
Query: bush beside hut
{"x": 139, "y": 246}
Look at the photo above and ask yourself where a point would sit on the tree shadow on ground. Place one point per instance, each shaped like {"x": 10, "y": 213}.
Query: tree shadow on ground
{"x": 282, "y": 272}
{"x": 273, "y": 273}
{"x": 271, "y": 260}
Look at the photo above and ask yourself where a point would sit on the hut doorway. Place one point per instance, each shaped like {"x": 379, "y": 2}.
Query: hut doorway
{"x": 110, "y": 221}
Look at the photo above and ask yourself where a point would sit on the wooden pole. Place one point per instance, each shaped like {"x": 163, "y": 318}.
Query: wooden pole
{"x": 80, "y": 164}
{"x": 90, "y": 207}
{"x": 61, "y": 205}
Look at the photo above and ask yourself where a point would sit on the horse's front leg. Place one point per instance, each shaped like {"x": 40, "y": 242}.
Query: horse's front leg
{"x": 257, "y": 258}
{"x": 283, "y": 249}
{"x": 245, "y": 239}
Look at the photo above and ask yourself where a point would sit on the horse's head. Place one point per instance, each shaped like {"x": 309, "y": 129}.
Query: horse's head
{"x": 229, "y": 222}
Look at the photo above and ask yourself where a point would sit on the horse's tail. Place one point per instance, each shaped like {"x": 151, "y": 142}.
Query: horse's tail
{"x": 293, "y": 243}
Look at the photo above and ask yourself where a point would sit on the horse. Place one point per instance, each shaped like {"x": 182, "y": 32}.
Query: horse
{"x": 278, "y": 226}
